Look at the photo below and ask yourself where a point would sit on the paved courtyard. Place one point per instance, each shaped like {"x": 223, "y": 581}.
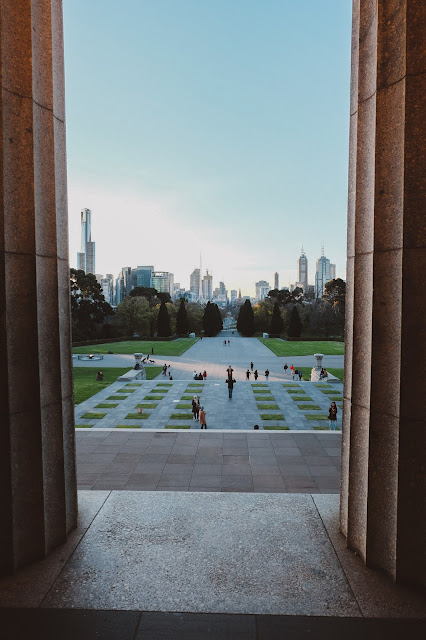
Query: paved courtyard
{"x": 256, "y": 462}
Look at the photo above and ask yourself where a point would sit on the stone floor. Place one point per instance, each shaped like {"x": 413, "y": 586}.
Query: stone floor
{"x": 205, "y": 553}
{"x": 293, "y": 404}
{"x": 256, "y": 462}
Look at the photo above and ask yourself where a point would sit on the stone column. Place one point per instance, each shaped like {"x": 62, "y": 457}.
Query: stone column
{"x": 383, "y": 447}
{"x": 38, "y": 504}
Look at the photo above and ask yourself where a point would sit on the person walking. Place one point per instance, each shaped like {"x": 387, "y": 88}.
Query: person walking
{"x": 197, "y": 409}
{"x": 229, "y": 371}
{"x": 332, "y": 416}
{"x": 267, "y": 374}
{"x": 251, "y": 366}
{"x": 152, "y": 351}
{"x": 230, "y": 382}
{"x": 296, "y": 373}
{"x": 204, "y": 374}
{"x": 285, "y": 369}
{"x": 203, "y": 418}
{"x": 248, "y": 374}
{"x": 292, "y": 371}
{"x": 194, "y": 406}
{"x": 300, "y": 374}
{"x": 256, "y": 374}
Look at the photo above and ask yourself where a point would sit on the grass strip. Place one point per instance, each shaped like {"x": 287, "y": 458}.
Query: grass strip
{"x": 164, "y": 384}
{"x": 129, "y": 347}
{"x": 116, "y": 397}
{"x": 160, "y": 389}
{"x": 143, "y": 405}
{"x": 259, "y": 384}
{"x": 297, "y": 391}
{"x": 104, "y": 405}
{"x": 137, "y": 416}
{"x": 261, "y": 392}
{"x": 93, "y": 416}
{"x": 153, "y": 397}
{"x": 86, "y": 385}
{"x": 183, "y": 406}
{"x": 134, "y": 384}
{"x": 83, "y": 426}
{"x": 321, "y": 429}
{"x": 268, "y": 427}
{"x": 316, "y": 416}
{"x": 271, "y": 416}
{"x": 302, "y": 347}
{"x": 177, "y": 426}
{"x": 309, "y": 407}
{"x": 323, "y": 386}
{"x": 301, "y": 398}
{"x": 124, "y": 390}
{"x": 293, "y": 386}
{"x": 187, "y": 397}
{"x": 272, "y": 407}
{"x": 339, "y": 373}
{"x": 181, "y": 416}
{"x": 335, "y": 398}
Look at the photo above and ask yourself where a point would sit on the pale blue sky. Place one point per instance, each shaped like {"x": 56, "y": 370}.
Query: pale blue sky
{"x": 216, "y": 126}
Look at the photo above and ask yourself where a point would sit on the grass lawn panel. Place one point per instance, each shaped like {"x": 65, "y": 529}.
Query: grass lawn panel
{"x": 143, "y": 405}
{"x": 128, "y": 426}
{"x": 177, "y": 426}
{"x": 160, "y": 390}
{"x": 183, "y": 406}
{"x": 181, "y": 416}
{"x": 309, "y": 407}
{"x": 261, "y": 392}
{"x": 83, "y": 426}
{"x": 268, "y": 427}
{"x": 327, "y": 392}
{"x": 322, "y": 428}
{"x": 164, "y": 384}
{"x": 129, "y": 347}
{"x": 153, "y": 397}
{"x": 194, "y": 391}
{"x": 316, "y": 416}
{"x": 104, "y": 405}
{"x": 86, "y": 385}
{"x": 137, "y": 416}
{"x": 302, "y": 348}
{"x": 116, "y": 397}
{"x": 93, "y": 416}
{"x": 296, "y": 391}
{"x": 272, "y": 407}
{"x": 291, "y": 386}
{"x": 188, "y": 397}
{"x": 271, "y": 416}
{"x": 134, "y": 384}
{"x": 301, "y": 398}
{"x": 259, "y": 384}
{"x": 337, "y": 372}
{"x": 196, "y": 386}
{"x": 323, "y": 386}
{"x": 335, "y": 398}
{"x": 125, "y": 390}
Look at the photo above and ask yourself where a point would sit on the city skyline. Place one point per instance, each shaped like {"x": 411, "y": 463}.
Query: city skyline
{"x": 226, "y": 143}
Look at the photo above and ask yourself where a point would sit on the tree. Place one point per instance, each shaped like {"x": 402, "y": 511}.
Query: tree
{"x": 212, "y": 320}
{"x": 195, "y": 317}
{"x": 163, "y": 322}
{"x": 182, "y": 324}
{"x": 146, "y": 292}
{"x": 335, "y": 294}
{"x": 245, "y": 322}
{"x": 134, "y": 315}
{"x": 295, "y": 325}
{"x": 164, "y": 296}
{"x": 277, "y": 321}
{"x": 89, "y": 311}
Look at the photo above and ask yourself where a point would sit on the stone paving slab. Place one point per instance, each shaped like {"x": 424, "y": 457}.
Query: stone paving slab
{"x": 219, "y": 461}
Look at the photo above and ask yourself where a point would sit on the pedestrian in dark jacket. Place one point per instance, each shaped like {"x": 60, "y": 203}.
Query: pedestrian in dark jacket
{"x": 332, "y": 416}
{"x": 230, "y": 382}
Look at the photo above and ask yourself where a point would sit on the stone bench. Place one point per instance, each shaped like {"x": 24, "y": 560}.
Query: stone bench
{"x": 133, "y": 374}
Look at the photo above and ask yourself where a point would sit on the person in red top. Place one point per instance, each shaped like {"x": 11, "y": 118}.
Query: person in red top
{"x": 204, "y": 374}
{"x": 292, "y": 371}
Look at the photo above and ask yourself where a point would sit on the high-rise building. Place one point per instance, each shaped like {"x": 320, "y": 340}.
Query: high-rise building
{"x": 144, "y": 276}
{"x": 262, "y": 289}
{"x": 86, "y": 256}
{"x": 163, "y": 281}
{"x": 194, "y": 283}
{"x": 207, "y": 286}
{"x": 276, "y": 281}
{"x": 302, "y": 271}
{"x": 222, "y": 289}
{"x": 234, "y": 296}
{"x": 322, "y": 275}
{"x": 332, "y": 271}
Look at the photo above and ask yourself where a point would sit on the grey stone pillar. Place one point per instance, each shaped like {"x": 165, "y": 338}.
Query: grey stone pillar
{"x": 383, "y": 446}
{"x": 37, "y": 452}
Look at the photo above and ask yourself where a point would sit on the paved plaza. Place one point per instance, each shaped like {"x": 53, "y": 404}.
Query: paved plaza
{"x": 258, "y": 462}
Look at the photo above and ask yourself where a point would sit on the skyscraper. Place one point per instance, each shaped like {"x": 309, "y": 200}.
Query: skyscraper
{"x": 322, "y": 274}
{"x": 144, "y": 276}
{"x": 86, "y": 257}
{"x": 276, "y": 281}
{"x": 163, "y": 281}
{"x": 262, "y": 289}
{"x": 194, "y": 283}
{"x": 207, "y": 286}
{"x": 302, "y": 271}
{"x": 332, "y": 271}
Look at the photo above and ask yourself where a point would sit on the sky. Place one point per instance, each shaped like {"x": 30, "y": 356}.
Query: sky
{"x": 212, "y": 127}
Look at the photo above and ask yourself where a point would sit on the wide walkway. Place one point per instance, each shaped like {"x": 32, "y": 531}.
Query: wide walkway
{"x": 212, "y": 355}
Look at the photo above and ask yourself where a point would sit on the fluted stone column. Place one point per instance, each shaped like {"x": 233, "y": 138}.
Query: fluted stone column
{"x": 383, "y": 511}
{"x": 37, "y": 452}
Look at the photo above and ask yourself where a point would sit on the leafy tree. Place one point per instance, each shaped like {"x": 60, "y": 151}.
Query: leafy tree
{"x": 295, "y": 324}
{"x": 89, "y": 311}
{"x": 245, "y": 322}
{"x": 277, "y": 321}
{"x": 324, "y": 319}
{"x": 335, "y": 294}
{"x": 286, "y": 297}
{"x": 134, "y": 315}
{"x": 164, "y": 296}
{"x": 195, "y": 317}
{"x": 146, "y": 292}
{"x": 163, "y": 321}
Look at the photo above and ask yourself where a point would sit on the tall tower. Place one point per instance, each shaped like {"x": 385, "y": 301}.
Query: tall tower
{"x": 302, "y": 271}
{"x": 322, "y": 274}
{"x": 276, "y": 281}
{"x": 86, "y": 257}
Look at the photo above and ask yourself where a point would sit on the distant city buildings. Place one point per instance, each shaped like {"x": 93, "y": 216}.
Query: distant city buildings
{"x": 86, "y": 256}
{"x": 262, "y": 289}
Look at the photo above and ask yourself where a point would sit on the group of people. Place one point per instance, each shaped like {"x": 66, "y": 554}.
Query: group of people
{"x": 225, "y": 342}
{"x": 295, "y": 373}
{"x": 167, "y": 370}
{"x": 199, "y": 376}
{"x": 199, "y": 412}
{"x": 255, "y": 372}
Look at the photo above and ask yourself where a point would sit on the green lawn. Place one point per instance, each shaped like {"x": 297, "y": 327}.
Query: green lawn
{"x": 167, "y": 348}
{"x": 296, "y": 391}
{"x": 153, "y": 397}
{"x": 267, "y": 427}
{"x": 183, "y": 406}
{"x": 272, "y": 407}
{"x": 301, "y": 398}
{"x": 83, "y": 426}
{"x": 137, "y": 416}
{"x": 86, "y": 385}
{"x": 259, "y": 384}
{"x": 309, "y": 407}
{"x": 188, "y": 397}
{"x": 337, "y": 372}
{"x": 303, "y": 348}
{"x": 164, "y": 384}
{"x": 181, "y": 416}
{"x": 177, "y": 426}
{"x": 104, "y": 405}
{"x": 116, "y": 397}
{"x": 128, "y": 426}
{"x": 134, "y": 384}
{"x": 93, "y": 416}
{"x": 143, "y": 405}
{"x": 271, "y": 416}
{"x": 316, "y": 416}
